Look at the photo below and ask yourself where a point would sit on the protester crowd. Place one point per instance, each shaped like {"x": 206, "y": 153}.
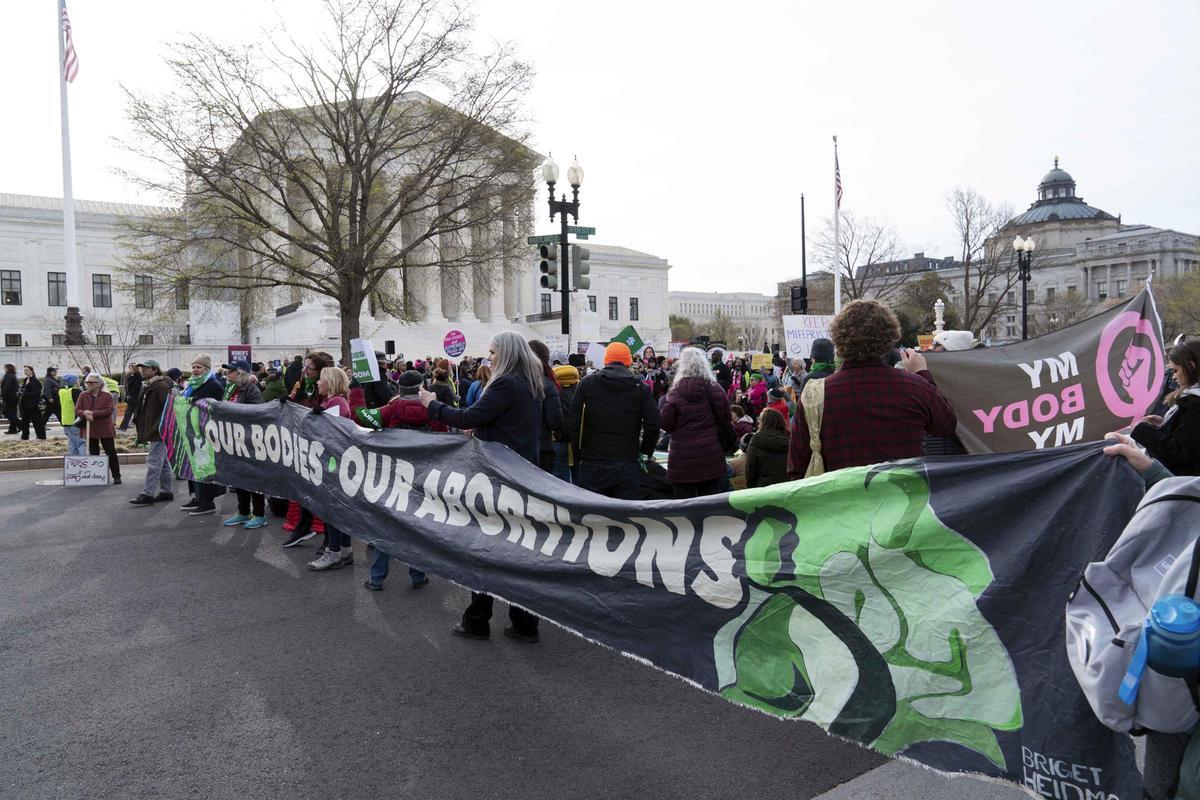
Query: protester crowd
{"x": 638, "y": 426}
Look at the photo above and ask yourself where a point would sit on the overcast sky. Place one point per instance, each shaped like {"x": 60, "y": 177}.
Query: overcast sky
{"x": 699, "y": 124}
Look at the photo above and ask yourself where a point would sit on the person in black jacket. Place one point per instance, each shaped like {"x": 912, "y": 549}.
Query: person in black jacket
{"x": 1174, "y": 439}
{"x": 552, "y": 414}
{"x": 722, "y": 372}
{"x": 9, "y": 386}
{"x": 294, "y": 372}
{"x": 30, "y": 405}
{"x": 613, "y": 419}
{"x": 766, "y": 458}
{"x": 133, "y": 391}
{"x": 508, "y": 412}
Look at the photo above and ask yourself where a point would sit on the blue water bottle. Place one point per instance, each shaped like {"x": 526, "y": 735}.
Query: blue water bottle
{"x": 1170, "y": 644}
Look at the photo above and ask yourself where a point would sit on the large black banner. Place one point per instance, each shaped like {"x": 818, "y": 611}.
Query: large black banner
{"x": 914, "y": 607}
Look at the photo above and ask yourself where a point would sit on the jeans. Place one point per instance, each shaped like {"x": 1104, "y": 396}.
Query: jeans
{"x": 335, "y": 539}
{"x": 562, "y": 469}
{"x": 617, "y": 479}
{"x": 76, "y": 446}
{"x": 251, "y": 503}
{"x": 110, "y": 450}
{"x": 159, "y": 477}
{"x": 379, "y": 569}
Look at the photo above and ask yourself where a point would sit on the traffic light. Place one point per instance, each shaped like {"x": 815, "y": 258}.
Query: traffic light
{"x": 549, "y": 265}
{"x": 799, "y": 299}
{"x": 580, "y": 266}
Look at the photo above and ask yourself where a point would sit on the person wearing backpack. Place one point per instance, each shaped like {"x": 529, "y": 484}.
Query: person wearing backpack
{"x": 403, "y": 411}
{"x": 564, "y": 459}
{"x": 613, "y": 420}
{"x": 1174, "y": 438}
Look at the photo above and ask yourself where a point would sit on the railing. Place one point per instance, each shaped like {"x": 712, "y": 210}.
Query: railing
{"x": 544, "y": 317}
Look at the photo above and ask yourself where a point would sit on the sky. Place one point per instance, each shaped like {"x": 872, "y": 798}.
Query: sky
{"x": 700, "y": 124}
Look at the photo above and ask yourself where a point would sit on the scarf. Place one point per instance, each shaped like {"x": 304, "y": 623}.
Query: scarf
{"x": 820, "y": 365}
{"x": 195, "y": 382}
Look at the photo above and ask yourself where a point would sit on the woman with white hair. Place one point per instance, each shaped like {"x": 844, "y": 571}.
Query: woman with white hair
{"x": 694, "y": 409}
{"x": 508, "y": 412}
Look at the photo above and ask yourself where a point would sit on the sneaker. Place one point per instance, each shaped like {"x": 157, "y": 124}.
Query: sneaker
{"x": 200, "y": 511}
{"x": 330, "y": 559}
{"x": 421, "y": 584}
{"x": 374, "y": 587}
{"x": 236, "y": 519}
{"x": 116, "y": 481}
{"x": 142, "y": 500}
{"x": 164, "y": 497}
{"x": 190, "y": 504}
{"x": 299, "y": 538}
{"x": 256, "y": 522}
{"x": 527, "y": 638}
{"x": 347, "y": 555}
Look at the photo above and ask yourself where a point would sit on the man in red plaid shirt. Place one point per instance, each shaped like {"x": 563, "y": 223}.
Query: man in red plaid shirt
{"x": 872, "y": 412}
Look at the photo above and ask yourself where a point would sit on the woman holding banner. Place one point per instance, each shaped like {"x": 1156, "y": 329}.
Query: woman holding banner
{"x": 1174, "y": 439}
{"x": 508, "y": 412}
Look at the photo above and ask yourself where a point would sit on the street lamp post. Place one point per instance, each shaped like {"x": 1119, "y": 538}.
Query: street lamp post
{"x": 563, "y": 208}
{"x": 1024, "y": 250}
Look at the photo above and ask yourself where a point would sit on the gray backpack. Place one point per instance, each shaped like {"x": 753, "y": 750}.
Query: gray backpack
{"x": 1157, "y": 554}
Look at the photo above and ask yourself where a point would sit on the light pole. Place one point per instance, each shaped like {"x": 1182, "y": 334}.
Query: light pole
{"x": 563, "y": 208}
{"x": 1024, "y": 250}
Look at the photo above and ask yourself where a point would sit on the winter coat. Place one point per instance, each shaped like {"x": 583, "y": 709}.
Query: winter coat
{"x": 9, "y": 387}
{"x": 211, "y": 389}
{"x": 552, "y": 416}
{"x": 31, "y": 395}
{"x": 407, "y": 412}
{"x": 565, "y": 395}
{"x": 1176, "y": 442}
{"x": 784, "y": 411}
{"x": 103, "y": 406}
{"x": 249, "y": 394}
{"x": 50, "y": 387}
{"x": 337, "y": 401}
{"x": 472, "y": 393}
{"x": 507, "y": 413}
{"x": 273, "y": 389}
{"x": 133, "y": 387}
{"x": 724, "y": 375}
{"x": 155, "y": 395}
{"x": 743, "y": 427}
{"x": 293, "y": 372}
{"x": 690, "y": 416}
{"x": 758, "y": 397}
{"x": 445, "y": 393}
{"x": 613, "y": 416}
{"x": 815, "y": 375}
{"x": 766, "y": 459}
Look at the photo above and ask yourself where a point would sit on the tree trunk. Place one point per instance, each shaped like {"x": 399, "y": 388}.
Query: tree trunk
{"x": 349, "y": 311}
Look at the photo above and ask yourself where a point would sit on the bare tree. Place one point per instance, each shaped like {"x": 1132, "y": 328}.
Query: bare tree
{"x": 866, "y": 244}
{"x": 322, "y": 169}
{"x": 1063, "y": 310}
{"x": 989, "y": 270}
{"x": 114, "y": 339}
{"x": 721, "y": 328}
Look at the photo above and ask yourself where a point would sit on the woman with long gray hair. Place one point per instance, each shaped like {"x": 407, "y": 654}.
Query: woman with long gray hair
{"x": 691, "y": 414}
{"x": 508, "y": 412}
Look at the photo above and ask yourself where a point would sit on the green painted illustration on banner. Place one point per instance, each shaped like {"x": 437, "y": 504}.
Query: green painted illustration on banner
{"x": 190, "y": 444}
{"x": 865, "y": 590}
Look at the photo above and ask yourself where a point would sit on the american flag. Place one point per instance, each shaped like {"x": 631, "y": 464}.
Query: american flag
{"x": 837, "y": 179}
{"x": 70, "y": 65}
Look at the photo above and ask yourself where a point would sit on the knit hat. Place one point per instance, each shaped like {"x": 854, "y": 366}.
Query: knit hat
{"x": 955, "y": 340}
{"x": 174, "y": 373}
{"x": 776, "y": 394}
{"x": 566, "y": 376}
{"x": 822, "y": 350}
{"x": 618, "y": 353}
{"x": 203, "y": 361}
{"x": 409, "y": 381}
{"x": 70, "y": 380}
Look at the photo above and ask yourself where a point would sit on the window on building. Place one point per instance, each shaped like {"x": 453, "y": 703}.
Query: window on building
{"x": 1120, "y": 285}
{"x": 545, "y": 302}
{"x": 612, "y": 308}
{"x": 146, "y": 338}
{"x": 10, "y": 287}
{"x": 992, "y": 298}
{"x": 1102, "y": 290}
{"x": 633, "y": 309}
{"x": 1029, "y": 295}
{"x": 56, "y": 288}
{"x": 183, "y": 295}
{"x": 186, "y": 338}
{"x": 1008, "y": 298}
{"x": 591, "y": 302}
{"x": 1050, "y": 295}
{"x": 1010, "y": 330}
{"x": 102, "y": 291}
{"x": 12, "y": 340}
{"x": 104, "y": 339}
{"x": 58, "y": 339}
{"x": 143, "y": 291}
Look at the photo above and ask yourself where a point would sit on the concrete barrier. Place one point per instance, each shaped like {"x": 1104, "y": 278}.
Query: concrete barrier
{"x": 56, "y": 462}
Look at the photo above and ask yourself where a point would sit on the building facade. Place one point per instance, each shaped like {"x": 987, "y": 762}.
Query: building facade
{"x": 754, "y": 316}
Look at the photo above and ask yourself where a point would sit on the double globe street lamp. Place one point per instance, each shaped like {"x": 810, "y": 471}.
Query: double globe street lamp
{"x": 1024, "y": 251}
{"x": 563, "y": 208}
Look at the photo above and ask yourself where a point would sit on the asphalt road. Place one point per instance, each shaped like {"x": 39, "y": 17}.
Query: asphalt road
{"x": 148, "y": 654}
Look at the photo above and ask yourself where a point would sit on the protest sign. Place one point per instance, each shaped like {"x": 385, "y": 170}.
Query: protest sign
{"x": 362, "y": 357}
{"x": 675, "y": 348}
{"x": 238, "y": 352}
{"x": 799, "y": 330}
{"x": 915, "y": 607}
{"x": 761, "y": 361}
{"x": 455, "y": 344}
{"x": 559, "y": 346}
{"x": 1074, "y": 385}
{"x": 85, "y": 470}
{"x": 595, "y": 354}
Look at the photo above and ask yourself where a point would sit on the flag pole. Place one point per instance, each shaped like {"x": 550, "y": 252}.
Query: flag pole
{"x": 74, "y": 321}
{"x": 837, "y": 231}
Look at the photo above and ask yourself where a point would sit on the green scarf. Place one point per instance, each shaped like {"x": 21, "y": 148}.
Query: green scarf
{"x": 820, "y": 365}
{"x": 196, "y": 381}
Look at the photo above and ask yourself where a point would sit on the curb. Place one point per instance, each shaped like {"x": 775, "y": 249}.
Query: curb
{"x": 56, "y": 462}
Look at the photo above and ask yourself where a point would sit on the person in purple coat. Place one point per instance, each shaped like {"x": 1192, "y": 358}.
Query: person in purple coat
{"x": 696, "y": 464}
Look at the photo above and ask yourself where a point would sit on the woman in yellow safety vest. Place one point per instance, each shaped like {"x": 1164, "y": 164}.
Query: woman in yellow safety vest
{"x": 76, "y": 446}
